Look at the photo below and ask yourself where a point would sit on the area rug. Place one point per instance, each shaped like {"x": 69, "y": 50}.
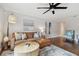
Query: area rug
{"x": 47, "y": 51}
{"x": 7, "y": 53}
{"x": 55, "y": 51}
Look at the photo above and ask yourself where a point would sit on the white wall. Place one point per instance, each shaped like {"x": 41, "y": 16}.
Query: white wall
{"x": 1, "y": 19}
{"x": 1, "y": 24}
{"x": 18, "y": 26}
{"x": 70, "y": 23}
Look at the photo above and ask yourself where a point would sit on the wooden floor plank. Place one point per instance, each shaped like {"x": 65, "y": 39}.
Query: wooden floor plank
{"x": 73, "y": 48}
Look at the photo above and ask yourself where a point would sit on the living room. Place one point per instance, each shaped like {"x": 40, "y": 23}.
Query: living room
{"x": 27, "y": 23}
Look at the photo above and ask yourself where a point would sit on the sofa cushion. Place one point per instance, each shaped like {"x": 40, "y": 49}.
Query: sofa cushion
{"x": 36, "y": 35}
{"x": 24, "y": 36}
{"x": 18, "y": 36}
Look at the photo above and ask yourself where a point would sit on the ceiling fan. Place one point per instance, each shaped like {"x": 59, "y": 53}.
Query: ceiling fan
{"x": 52, "y": 6}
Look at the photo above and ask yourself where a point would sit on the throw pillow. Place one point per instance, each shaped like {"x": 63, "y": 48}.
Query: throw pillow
{"x": 18, "y": 36}
{"x": 24, "y": 36}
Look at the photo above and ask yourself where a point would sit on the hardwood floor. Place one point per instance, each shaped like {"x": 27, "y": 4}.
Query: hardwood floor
{"x": 60, "y": 42}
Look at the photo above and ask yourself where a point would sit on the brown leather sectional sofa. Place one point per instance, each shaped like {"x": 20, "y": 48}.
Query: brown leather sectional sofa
{"x": 43, "y": 42}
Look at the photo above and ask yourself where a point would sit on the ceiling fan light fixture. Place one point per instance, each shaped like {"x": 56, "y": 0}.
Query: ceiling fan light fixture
{"x": 52, "y": 6}
{"x": 53, "y": 12}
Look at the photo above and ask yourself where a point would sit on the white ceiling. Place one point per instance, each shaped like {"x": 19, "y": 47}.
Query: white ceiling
{"x": 31, "y": 10}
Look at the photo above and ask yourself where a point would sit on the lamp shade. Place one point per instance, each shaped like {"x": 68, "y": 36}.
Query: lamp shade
{"x": 12, "y": 18}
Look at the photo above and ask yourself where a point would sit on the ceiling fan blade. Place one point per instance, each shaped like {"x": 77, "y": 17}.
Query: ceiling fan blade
{"x": 42, "y": 7}
{"x": 60, "y": 8}
{"x": 56, "y": 4}
{"x": 51, "y": 3}
{"x": 46, "y": 11}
